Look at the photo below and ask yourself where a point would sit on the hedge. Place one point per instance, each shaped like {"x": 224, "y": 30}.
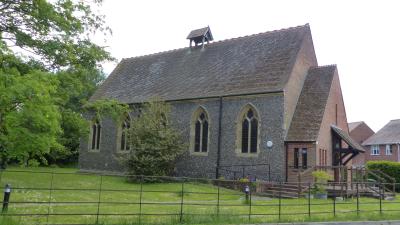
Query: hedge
{"x": 390, "y": 168}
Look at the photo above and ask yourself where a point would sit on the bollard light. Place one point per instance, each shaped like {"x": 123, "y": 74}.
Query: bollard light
{"x": 7, "y": 193}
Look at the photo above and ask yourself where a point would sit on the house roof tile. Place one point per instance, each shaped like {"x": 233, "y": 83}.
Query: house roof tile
{"x": 346, "y": 137}
{"x": 307, "y": 118}
{"x": 249, "y": 64}
{"x": 389, "y": 134}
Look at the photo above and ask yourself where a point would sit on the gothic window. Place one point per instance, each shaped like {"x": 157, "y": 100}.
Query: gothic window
{"x": 200, "y": 131}
{"x": 248, "y": 130}
{"x": 124, "y": 141}
{"x": 95, "y": 135}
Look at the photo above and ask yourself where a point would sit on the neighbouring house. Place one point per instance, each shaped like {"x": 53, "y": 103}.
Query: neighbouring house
{"x": 384, "y": 144}
{"x": 360, "y": 132}
{"x": 256, "y": 105}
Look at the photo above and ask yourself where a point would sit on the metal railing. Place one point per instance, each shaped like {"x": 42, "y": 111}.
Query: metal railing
{"x": 244, "y": 170}
{"x": 48, "y": 198}
{"x": 349, "y": 176}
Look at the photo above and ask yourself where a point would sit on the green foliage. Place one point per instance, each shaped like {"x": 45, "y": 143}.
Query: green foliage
{"x": 75, "y": 87}
{"x": 321, "y": 179}
{"x": 390, "y": 168}
{"x": 109, "y": 108}
{"x": 244, "y": 180}
{"x": 48, "y": 69}
{"x": 154, "y": 142}
{"x": 56, "y": 31}
{"x": 29, "y": 119}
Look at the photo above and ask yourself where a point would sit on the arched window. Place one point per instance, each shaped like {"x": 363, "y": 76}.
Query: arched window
{"x": 200, "y": 131}
{"x": 124, "y": 141}
{"x": 95, "y": 135}
{"x": 248, "y": 131}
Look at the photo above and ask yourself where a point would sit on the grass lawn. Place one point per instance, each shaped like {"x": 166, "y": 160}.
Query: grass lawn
{"x": 31, "y": 195}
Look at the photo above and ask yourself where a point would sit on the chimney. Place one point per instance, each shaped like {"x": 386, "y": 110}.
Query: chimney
{"x": 200, "y": 36}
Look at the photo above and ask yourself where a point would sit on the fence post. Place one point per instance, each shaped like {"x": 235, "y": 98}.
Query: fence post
{"x": 181, "y": 214}
{"x": 380, "y": 198}
{"x": 299, "y": 183}
{"x": 250, "y": 203}
{"x": 309, "y": 199}
{"x": 218, "y": 202}
{"x": 279, "y": 196}
{"x": 394, "y": 183}
{"x": 99, "y": 199}
{"x": 50, "y": 195}
{"x": 358, "y": 200}
{"x": 334, "y": 199}
{"x": 140, "y": 199}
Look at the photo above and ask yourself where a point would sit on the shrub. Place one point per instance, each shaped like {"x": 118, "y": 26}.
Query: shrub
{"x": 390, "y": 168}
{"x": 321, "y": 179}
{"x": 244, "y": 180}
{"x": 155, "y": 144}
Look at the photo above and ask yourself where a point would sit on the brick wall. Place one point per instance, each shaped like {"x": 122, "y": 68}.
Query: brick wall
{"x": 292, "y": 172}
{"x": 306, "y": 58}
{"x": 334, "y": 108}
{"x": 382, "y": 156}
{"x": 360, "y": 134}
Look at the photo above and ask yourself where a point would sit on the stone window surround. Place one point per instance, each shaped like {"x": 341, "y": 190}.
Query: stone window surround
{"x": 200, "y": 109}
{"x": 119, "y": 134}
{"x": 239, "y": 120}
{"x": 90, "y": 139}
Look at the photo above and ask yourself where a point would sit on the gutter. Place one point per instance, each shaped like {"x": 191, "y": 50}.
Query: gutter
{"x": 215, "y": 96}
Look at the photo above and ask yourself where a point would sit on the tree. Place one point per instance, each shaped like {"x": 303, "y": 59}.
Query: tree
{"x": 29, "y": 119}
{"x": 154, "y": 142}
{"x": 49, "y": 68}
{"x": 57, "y": 32}
{"x": 74, "y": 89}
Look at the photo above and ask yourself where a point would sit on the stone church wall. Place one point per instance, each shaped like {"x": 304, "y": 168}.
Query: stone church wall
{"x": 270, "y": 110}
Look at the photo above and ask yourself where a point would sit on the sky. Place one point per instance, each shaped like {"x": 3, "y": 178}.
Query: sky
{"x": 361, "y": 37}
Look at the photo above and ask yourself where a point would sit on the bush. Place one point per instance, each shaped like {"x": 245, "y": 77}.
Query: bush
{"x": 390, "y": 168}
{"x": 321, "y": 179}
{"x": 155, "y": 144}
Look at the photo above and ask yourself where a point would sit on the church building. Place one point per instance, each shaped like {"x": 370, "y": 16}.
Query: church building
{"x": 257, "y": 106}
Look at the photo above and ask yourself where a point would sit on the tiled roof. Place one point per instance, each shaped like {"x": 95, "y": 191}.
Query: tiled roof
{"x": 389, "y": 134}
{"x": 346, "y": 137}
{"x": 307, "y": 118}
{"x": 255, "y": 63}
{"x": 354, "y": 125}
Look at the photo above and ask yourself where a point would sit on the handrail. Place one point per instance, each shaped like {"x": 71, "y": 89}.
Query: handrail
{"x": 382, "y": 180}
{"x": 299, "y": 175}
{"x": 385, "y": 175}
{"x": 375, "y": 175}
{"x": 242, "y": 168}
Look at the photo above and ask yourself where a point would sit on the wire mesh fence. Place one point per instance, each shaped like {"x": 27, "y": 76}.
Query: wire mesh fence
{"x": 49, "y": 197}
